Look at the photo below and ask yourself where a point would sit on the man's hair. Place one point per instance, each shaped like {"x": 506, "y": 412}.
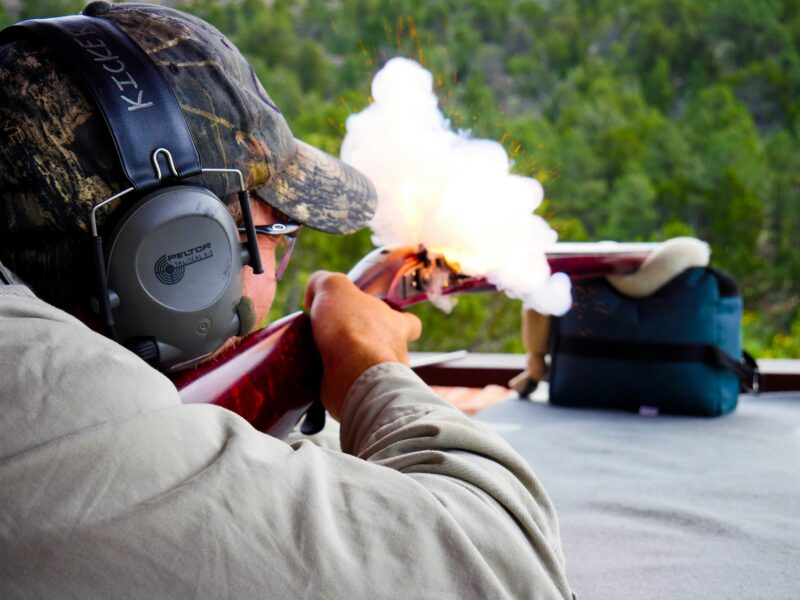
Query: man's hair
{"x": 56, "y": 266}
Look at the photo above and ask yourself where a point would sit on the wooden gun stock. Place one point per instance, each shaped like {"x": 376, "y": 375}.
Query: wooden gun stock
{"x": 272, "y": 376}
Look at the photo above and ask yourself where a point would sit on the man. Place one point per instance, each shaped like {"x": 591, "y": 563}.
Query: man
{"x": 109, "y": 487}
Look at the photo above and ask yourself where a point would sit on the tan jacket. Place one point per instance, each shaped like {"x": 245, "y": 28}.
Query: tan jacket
{"x": 110, "y": 488}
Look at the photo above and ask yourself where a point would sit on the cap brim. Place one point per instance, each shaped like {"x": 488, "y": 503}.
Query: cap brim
{"x": 320, "y": 191}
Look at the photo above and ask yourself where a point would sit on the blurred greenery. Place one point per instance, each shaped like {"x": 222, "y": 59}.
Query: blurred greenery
{"x": 644, "y": 119}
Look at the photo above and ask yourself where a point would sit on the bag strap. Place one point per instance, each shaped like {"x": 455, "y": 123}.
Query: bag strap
{"x": 745, "y": 369}
{"x": 752, "y": 380}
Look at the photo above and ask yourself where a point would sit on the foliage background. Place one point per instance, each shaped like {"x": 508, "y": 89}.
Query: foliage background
{"x": 643, "y": 119}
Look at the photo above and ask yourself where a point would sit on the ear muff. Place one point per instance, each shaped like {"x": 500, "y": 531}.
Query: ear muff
{"x": 170, "y": 287}
{"x": 175, "y": 272}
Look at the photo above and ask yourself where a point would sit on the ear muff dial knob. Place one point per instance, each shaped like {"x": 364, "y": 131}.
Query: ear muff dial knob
{"x": 144, "y": 348}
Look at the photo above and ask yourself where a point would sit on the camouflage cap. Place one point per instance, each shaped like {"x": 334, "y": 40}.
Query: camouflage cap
{"x": 57, "y": 158}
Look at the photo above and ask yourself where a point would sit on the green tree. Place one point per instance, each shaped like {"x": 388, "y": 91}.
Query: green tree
{"x": 643, "y": 119}
{"x": 630, "y": 209}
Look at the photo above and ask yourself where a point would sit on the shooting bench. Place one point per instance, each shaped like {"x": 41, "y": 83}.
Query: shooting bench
{"x": 669, "y": 507}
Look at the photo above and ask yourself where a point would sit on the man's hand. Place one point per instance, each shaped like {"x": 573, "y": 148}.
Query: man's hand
{"x": 353, "y": 332}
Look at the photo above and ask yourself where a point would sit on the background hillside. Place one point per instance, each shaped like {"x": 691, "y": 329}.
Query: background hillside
{"x": 643, "y": 119}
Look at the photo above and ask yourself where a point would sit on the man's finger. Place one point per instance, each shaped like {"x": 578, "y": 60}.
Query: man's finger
{"x": 413, "y": 326}
{"x": 312, "y": 286}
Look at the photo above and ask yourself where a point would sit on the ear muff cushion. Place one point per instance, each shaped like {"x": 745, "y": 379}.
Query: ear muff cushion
{"x": 248, "y": 319}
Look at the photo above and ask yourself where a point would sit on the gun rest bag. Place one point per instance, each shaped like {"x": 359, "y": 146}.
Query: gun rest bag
{"x": 677, "y": 350}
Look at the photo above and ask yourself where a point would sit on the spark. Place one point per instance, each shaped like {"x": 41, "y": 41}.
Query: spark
{"x": 399, "y": 32}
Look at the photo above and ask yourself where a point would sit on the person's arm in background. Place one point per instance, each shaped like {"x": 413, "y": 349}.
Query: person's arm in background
{"x": 391, "y": 418}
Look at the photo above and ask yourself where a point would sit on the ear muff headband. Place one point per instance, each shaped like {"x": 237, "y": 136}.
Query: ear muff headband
{"x": 138, "y": 105}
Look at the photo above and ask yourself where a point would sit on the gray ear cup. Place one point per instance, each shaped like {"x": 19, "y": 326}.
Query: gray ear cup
{"x": 175, "y": 273}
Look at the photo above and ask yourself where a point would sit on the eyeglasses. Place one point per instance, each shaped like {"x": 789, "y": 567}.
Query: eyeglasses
{"x": 288, "y": 233}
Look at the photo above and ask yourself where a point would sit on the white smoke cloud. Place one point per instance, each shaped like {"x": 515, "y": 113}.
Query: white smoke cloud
{"x": 450, "y": 192}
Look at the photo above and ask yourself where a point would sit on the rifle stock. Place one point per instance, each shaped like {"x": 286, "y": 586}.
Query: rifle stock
{"x": 272, "y": 376}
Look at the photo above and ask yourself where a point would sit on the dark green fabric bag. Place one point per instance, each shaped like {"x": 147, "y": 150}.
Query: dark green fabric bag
{"x": 676, "y": 351}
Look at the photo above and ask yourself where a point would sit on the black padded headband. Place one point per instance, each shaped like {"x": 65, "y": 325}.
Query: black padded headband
{"x": 138, "y": 105}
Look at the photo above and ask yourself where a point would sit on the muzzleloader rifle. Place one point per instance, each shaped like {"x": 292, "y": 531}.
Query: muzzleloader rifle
{"x": 272, "y": 376}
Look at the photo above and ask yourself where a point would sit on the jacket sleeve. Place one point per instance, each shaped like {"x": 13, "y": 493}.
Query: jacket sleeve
{"x": 111, "y": 487}
{"x": 393, "y": 419}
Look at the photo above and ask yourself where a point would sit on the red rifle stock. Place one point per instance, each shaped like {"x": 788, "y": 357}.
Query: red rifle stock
{"x": 272, "y": 376}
